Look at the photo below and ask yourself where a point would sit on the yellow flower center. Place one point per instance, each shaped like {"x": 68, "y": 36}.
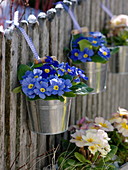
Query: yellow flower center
{"x": 36, "y": 76}
{"x": 99, "y": 145}
{"x": 92, "y": 147}
{"x": 42, "y": 89}
{"x": 30, "y": 86}
{"x": 76, "y": 54}
{"x": 105, "y": 53}
{"x": 124, "y": 125}
{"x": 69, "y": 70}
{"x": 85, "y": 55}
{"x": 90, "y": 140}
{"x": 46, "y": 70}
{"x": 62, "y": 69}
{"x": 94, "y": 42}
{"x": 78, "y": 138}
{"x": 103, "y": 125}
{"x": 56, "y": 87}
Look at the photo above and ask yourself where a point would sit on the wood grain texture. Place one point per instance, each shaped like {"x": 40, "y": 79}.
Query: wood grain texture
{"x": 20, "y": 148}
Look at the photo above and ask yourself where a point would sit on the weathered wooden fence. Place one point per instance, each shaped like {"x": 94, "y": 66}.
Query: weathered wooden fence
{"x": 20, "y": 148}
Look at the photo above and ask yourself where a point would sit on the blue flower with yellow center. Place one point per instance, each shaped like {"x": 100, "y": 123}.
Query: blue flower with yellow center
{"x": 56, "y": 86}
{"x": 96, "y": 42}
{"x": 104, "y": 52}
{"x": 47, "y": 70}
{"x": 28, "y": 86}
{"x": 67, "y": 84}
{"x": 74, "y": 54}
{"x": 41, "y": 90}
{"x": 96, "y": 34}
{"x": 85, "y": 55}
{"x": 28, "y": 74}
{"x": 61, "y": 69}
{"x": 37, "y": 74}
{"x": 70, "y": 70}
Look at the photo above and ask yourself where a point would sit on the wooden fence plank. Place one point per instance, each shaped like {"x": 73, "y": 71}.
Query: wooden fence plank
{"x": 2, "y": 100}
{"x": 50, "y": 38}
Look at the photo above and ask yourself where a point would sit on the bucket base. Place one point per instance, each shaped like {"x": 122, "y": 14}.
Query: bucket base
{"x": 56, "y": 133}
{"x": 49, "y": 117}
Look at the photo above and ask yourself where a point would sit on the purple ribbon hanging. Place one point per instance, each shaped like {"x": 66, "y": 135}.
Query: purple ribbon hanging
{"x": 15, "y": 23}
{"x": 107, "y": 10}
{"x": 71, "y": 13}
{"x": 30, "y": 43}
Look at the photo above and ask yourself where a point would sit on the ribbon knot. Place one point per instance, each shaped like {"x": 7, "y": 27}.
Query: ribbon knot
{"x": 15, "y": 23}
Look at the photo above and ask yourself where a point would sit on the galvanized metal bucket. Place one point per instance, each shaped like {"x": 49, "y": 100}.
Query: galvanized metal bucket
{"x": 118, "y": 62}
{"x": 97, "y": 75}
{"x": 49, "y": 117}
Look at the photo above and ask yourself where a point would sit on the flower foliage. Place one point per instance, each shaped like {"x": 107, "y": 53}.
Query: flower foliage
{"x": 97, "y": 144}
{"x": 92, "y": 48}
{"x": 49, "y": 79}
{"x": 117, "y": 31}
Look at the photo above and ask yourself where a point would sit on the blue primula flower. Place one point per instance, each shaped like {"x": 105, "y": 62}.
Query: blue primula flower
{"x": 104, "y": 52}
{"x": 49, "y": 60}
{"x": 47, "y": 70}
{"x": 67, "y": 84}
{"x": 61, "y": 69}
{"x": 85, "y": 55}
{"x": 81, "y": 74}
{"x": 76, "y": 79}
{"x": 28, "y": 86}
{"x": 96, "y": 41}
{"x": 28, "y": 74}
{"x": 74, "y": 54}
{"x": 41, "y": 90}
{"x": 56, "y": 86}
{"x": 96, "y": 34}
{"x": 70, "y": 70}
{"x": 37, "y": 74}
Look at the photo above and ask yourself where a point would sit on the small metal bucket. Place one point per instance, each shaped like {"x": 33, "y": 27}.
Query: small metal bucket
{"x": 49, "y": 117}
{"x": 119, "y": 62}
{"x": 97, "y": 75}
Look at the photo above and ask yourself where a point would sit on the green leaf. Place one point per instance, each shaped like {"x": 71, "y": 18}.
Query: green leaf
{"x": 37, "y": 65}
{"x": 98, "y": 59}
{"x": 81, "y": 89}
{"x": 74, "y": 37}
{"x": 52, "y": 97}
{"x": 60, "y": 160}
{"x": 31, "y": 99}
{"x": 84, "y": 44}
{"x": 111, "y": 153}
{"x": 61, "y": 98}
{"x": 114, "y": 50}
{"x": 112, "y": 167}
{"x": 78, "y": 85}
{"x": 81, "y": 158}
{"x": 67, "y": 76}
{"x": 69, "y": 94}
{"x": 71, "y": 162}
{"x": 17, "y": 89}
{"x": 22, "y": 70}
{"x": 76, "y": 62}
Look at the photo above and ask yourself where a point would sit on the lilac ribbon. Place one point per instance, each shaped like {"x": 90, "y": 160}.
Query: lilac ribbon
{"x": 27, "y": 38}
{"x": 107, "y": 10}
{"x": 30, "y": 43}
{"x": 70, "y": 12}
